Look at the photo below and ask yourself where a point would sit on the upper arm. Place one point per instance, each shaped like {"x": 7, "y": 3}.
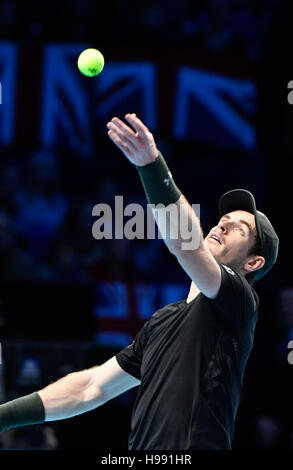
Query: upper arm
{"x": 236, "y": 302}
{"x": 202, "y": 268}
{"x": 112, "y": 380}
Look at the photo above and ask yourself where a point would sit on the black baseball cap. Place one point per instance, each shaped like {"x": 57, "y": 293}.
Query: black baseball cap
{"x": 241, "y": 199}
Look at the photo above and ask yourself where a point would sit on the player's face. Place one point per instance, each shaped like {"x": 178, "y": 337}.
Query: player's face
{"x": 231, "y": 240}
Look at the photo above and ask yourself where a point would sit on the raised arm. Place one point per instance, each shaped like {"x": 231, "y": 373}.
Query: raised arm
{"x": 138, "y": 145}
{"x": 74, "y": 394}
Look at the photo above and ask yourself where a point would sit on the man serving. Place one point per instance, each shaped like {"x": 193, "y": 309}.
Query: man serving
{"x": 189, "y": 358}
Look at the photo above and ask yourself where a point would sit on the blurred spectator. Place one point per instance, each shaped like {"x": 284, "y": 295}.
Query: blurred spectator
{"x": 73, "y": 247}
{"x": 145, "y": 256}
{"x": 115, "y": 263}
{"x": 8, "y": 16}
{"x": 65, "y": 262}
{"x": 32, "y": 438}
{"x": 107, "y": 190}
{"x": 29, "y": 374}
{"x": 9, "y": 185}
{"x": 268, "y": 433}
{"x": 215, "y": 24}
{"x": 41, "y": 205}
{"x": 222, "y": 24}
{"x": 16, "y": 261}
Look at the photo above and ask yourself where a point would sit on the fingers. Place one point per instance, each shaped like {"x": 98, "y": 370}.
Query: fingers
{"x": 138, "y": 125}
{"x": 122, "y": 133}
{"x": 123, "y": 127}
{"x": 122, "y": 144}
{"x": 142, "y": 132}
{"x": 126, "y": 139}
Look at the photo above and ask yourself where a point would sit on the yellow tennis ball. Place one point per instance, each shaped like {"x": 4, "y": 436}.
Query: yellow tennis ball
{"x": 91, "y": 62}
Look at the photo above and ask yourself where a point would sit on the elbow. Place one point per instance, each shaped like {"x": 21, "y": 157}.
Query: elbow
{"x": 94, "y": 396}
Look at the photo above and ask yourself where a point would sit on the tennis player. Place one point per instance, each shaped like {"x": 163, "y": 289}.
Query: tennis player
{"x": 188, "y": 360}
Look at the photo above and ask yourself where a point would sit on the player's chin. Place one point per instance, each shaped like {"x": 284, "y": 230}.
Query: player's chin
{"x": 214, "y": 246}
{"x": 217, "y": 252}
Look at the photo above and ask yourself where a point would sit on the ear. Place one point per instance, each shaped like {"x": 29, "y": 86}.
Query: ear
{"x": 254, "y": 263}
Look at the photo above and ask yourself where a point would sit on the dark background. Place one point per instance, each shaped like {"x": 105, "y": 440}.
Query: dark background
{"x": 52, "y": 269}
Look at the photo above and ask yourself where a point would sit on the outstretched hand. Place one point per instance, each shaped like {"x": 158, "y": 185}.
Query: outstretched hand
{"x": 138, "y": 145}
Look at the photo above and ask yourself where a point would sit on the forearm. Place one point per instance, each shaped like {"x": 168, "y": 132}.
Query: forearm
{"x": 179, "y": 226}
{"x": 180, "y": 231}
{"x": 177, "y": 222}
{"x": 72, "y": 395}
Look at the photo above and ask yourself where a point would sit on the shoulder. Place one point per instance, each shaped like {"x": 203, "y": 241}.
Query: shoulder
{"x": 235, "y": 277}
{"x": 237, "y": 288}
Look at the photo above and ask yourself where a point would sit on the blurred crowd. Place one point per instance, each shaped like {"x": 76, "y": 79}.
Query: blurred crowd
{"x": 47, "y": 198}
{"x": 46, "y": 226}
{"x": 46, "y": 235}
{"x": 213, "y": 24}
